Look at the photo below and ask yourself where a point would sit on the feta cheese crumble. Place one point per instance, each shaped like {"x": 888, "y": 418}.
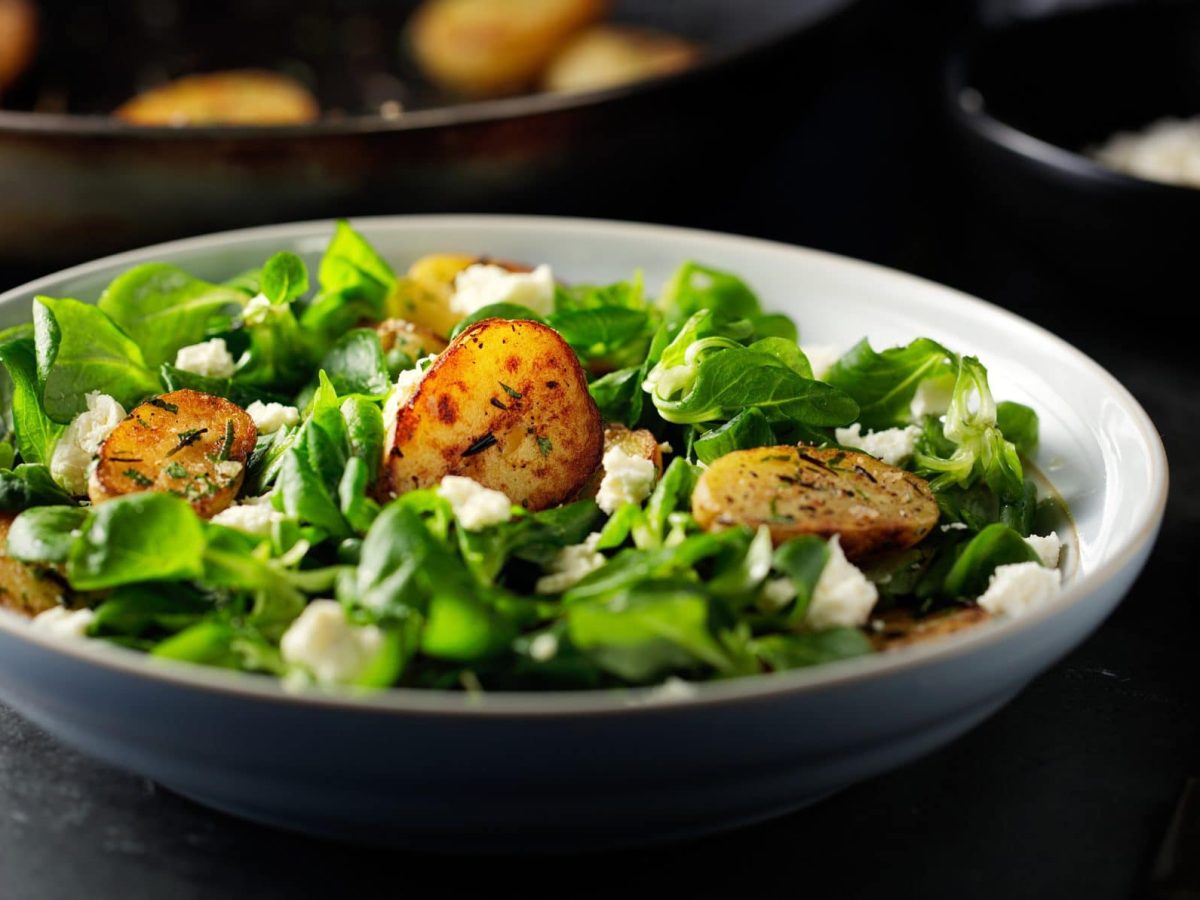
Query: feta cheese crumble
{"x": 210, "y": 358}
{"x": 257, "y": 310}
{"x": 405, "y": 388}
{"x": 1017, "y": 588}
{"x": 932, "y": 398}
{"x": 893, "y": 445}
{"x": 571, "y": 565}
{"x": 1048, "y": 547}
{"x": 777, "y": 593}
{"x": 475, "y": 507}
{"x": 329, "y": 647}
{"x": 543, "y": 648}
{"x": 81, "y": 441}
{"x": 821, "y": 357}
{"x": 252, "y": 518}
{"x": 627, "y": 479}
{"x": 63, "y": 622}
{"x": 843, "y": 597}
{"x": 270, "y": 417}
{"x": 483, "y": 284}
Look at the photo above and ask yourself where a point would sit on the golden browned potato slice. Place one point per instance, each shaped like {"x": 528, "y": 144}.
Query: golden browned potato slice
{"x": 242, "y": 97}
{"x": 636, "y": 443}
{"x": 507, "y": 405}
{"x": 26, "y": 588}
{"x": 18, "y": 39}
{"x": 803, "y": 490}
{"x": 186, "y": 443}
{"x": 408, "y": 337}
{"x": 901, "y": 628}
{"x": 423, "y": 296}
{"x": 609, "y": 55}
{"x": 486, "y": 49}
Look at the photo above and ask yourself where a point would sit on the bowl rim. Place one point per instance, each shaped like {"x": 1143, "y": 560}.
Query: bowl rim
{"x": 474, "y": 112}
{"x": 247, "y": 686}
{"x": 967, "y": 106}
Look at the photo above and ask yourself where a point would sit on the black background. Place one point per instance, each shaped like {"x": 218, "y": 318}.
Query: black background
{"x": 1065, "y": 793}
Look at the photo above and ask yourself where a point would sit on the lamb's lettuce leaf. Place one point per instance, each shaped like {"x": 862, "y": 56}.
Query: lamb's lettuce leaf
{"x": 884, "y": 383}
{"x": 35, "y": 432}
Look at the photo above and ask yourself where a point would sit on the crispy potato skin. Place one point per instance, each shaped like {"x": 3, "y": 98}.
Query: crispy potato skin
{"x": 902, "y": 629}
{"x": 605, "y": 56}
{"x": 641, "y": 443}
{"x": 415, "y": 340}
{"x": 422, "y": 297}
{"x": 18, "y": 39}
{"x": 236, "y": 97}
{"x": 518, "y": 382}
{"x": 24, "y": 588}
{"x": 179, "y": 451}
{"x": 481, "y": 48}
{"x": 804, "y": 490}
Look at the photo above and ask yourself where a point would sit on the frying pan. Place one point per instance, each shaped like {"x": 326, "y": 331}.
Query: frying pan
{"x": 75, "y": 183}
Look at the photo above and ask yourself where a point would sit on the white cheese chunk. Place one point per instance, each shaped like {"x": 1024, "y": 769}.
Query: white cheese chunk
{"x": 475, "y": 507}
{"x": 627, "y": 479}
{"x": 1048, "y": 547}
{"x": 257, "y": 311}
{"x": 210, "y": 358}
{"x": 893, "y": 445}
{"x": 63, "y": 622}
{"x": 843, "y": 597}
{"x": 1017, "y": 588}
{"x": 482, "y": 285}
{"x": 932, "y": 398}
{"x": 270, "y": 417}
{"x": 571, "y": 565}
{"x": 333, "y": 650}
{"x": 250, "y": 517}
{"x": 81, "y": 441}
{"x": 821, "y": 357}
{"x": 405, "y": 388}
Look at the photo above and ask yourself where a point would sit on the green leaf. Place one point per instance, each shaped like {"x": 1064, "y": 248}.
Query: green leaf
{"x": 615, "y": 393}
{"x": 44, "y": 533}
{"x": 787, "y": 352}
{"x": 884, "y": 384}
{"x": 162, "y": 308}
{"x": 795, "y": 651}
{"x": 694, "y": 287}
{"x": 351, "y": 265}
{"x": 997, "y": 545}
{"x": 461, "y": 629}
{"x": 744, "y": 431}
{"x": 1019, "y": 424}
{"x": 138, "y": 537}
{"x": 802, "y": 560}
{"x": 364, "y": 430}
{"x": 615, "y": 334}
{"x": 80, "y": 349}
{"x": 355, "y": 364}
{"x": 284, "y": 278}
{"x": 29, "y": 485}
{"x": 36, "y": 434}
{"x": 142, "y": 609}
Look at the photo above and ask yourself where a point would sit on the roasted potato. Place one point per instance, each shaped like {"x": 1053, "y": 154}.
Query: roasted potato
{"x": 26, "y": 588}
{"x": 18, "y": 39}
{"x": 609, "y": 55}
{"x": 408, "y": 337}
{"x": 423, "y": 295}
{"x": 186, "y": 443}
{"x": 239, "y": 97}
{"x": 803, "y": 490}
{"x": 507, "y": 405}
{"x": 901, "y": 628}
{"x": 636, "y": 443}
{"x": 481, "y": 48}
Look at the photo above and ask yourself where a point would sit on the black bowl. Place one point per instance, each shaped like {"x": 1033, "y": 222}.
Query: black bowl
{"x": 1026, "y": 101}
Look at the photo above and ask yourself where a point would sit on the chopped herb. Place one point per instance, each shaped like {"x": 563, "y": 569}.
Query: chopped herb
{"x": 496, "y": 403}
{"x": 137, "y": 478}
{"x": 516, "y": 395}
{"x": 488, "y": 440}
{"x": 163, "y": 404}
{"x": 186, "y": 438}
{"x": 545, "y": 445}
{"x": 175, "y": 470}
{"x": 227, "y": 443}
{"x": 128, "y": 459}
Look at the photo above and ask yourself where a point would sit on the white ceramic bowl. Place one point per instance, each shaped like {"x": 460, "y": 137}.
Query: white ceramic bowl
{"x": 559, "y": 770}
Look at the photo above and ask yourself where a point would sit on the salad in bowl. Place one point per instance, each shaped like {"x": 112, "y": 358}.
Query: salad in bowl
{"x": 478, "y": 476}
